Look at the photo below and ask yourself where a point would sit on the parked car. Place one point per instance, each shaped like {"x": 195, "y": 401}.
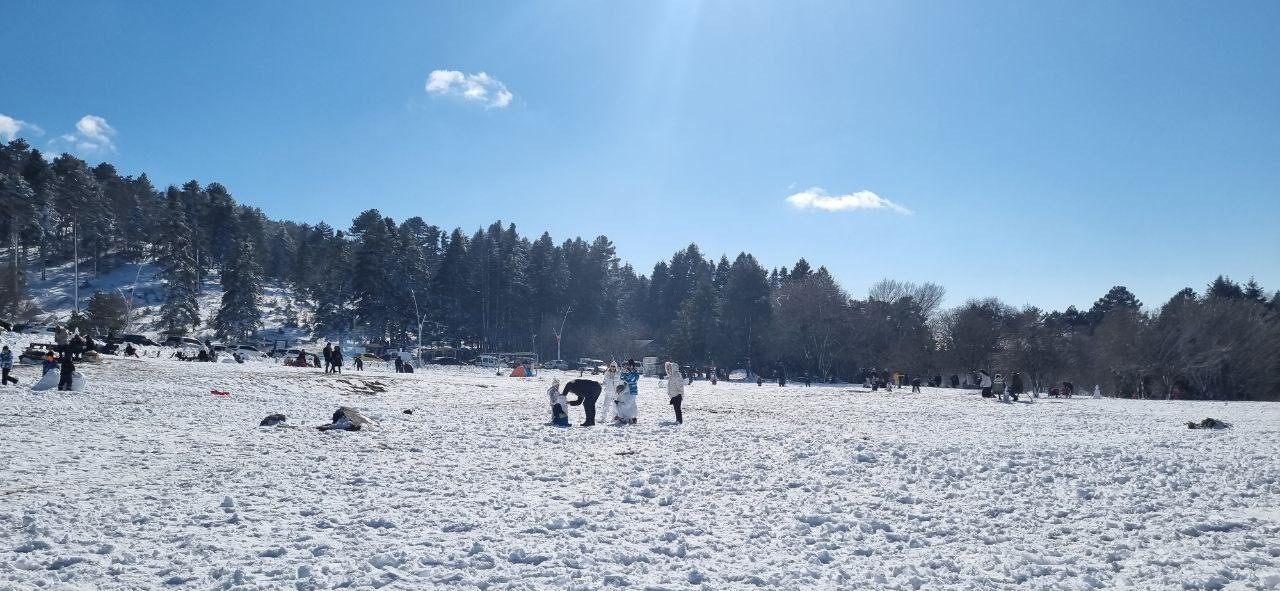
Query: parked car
{"x": 446, "y": 361}
{"x": 183, "y": 342}
{"x": 138, "y": 339}
{"x": 556, "y": 364}
{"x": 404, "y": 356}
{"x": 247, "y": 351}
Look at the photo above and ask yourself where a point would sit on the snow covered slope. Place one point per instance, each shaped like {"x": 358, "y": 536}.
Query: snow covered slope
{"x": 148, "y": 481}
{"x": 55, "y": 295}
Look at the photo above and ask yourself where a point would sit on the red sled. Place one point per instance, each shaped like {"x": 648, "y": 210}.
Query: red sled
{"x": 219, "y": 393}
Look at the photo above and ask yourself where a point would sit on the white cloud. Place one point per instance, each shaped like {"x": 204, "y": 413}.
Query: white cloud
{"x": 92, "y": 135}
{"x": 817, "y": 198}
{"x": 10, "y": 128}
{"x": 481, "y": 88}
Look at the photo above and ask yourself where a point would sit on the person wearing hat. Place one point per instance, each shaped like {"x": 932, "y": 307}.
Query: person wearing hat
{"x": 627, "y": 402}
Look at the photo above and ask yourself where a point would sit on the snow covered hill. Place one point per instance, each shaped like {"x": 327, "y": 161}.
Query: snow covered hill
{"x": 147, "y": 480}
{"x": 55, "y": 296}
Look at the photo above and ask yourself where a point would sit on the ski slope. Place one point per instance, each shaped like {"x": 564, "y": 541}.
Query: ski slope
{"x": 147, "y": 481}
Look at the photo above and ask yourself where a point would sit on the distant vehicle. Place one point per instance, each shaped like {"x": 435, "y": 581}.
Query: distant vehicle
{"x": 405, "y": 356}
{"x": 446, "y": 361}
{"x": 556, "y": 364}
{"x": 38, "y": 329}
{"x": 183, "y": 342}
{"x": 248, "y": 351}
{"x": 488, "y": 361}
{"x": 368, "y": 357}
{"x": 138, "y": 339}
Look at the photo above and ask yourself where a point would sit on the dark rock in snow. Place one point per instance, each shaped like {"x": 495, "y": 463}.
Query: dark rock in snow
{"x": 1208, "y": 424}
{"x": 408, "y": 411}
{"x": 346, "y": 419}
{"x": 272, "y": 420}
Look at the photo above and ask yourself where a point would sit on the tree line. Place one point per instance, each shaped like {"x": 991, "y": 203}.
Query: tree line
{"x": 380, "y": 281}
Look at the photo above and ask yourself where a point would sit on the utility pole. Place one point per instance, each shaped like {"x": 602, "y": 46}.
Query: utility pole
{"x": 419, "y": 315}
{"x": 560, "y": 333}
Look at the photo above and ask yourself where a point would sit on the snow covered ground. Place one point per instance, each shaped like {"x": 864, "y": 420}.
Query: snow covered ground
{"x": 147, "y": 480}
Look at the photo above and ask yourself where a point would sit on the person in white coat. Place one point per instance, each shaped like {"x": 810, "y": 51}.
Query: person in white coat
{"x": 609, "y": 387}
{"x": 675, "y": 389}
{"x": 559, "y": 405}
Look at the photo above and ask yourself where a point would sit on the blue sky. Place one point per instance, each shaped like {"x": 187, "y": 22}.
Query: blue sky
{"x": 1040, "y": 152}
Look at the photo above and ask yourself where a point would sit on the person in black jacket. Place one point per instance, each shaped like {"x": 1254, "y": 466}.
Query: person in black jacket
{"x": 68, "y": 370}
{"x": 588, "y": 392}
{"x": 335, "y": 359}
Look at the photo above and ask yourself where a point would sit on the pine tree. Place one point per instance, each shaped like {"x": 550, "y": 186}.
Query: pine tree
{"x": 107, "y": 311}
{"x": 181, "y": 310}
{"x": 1254, "y": 292}
{"x": 333, "y": 288}
{"x": 239, "y": 317}
{"x": 745, "y": 310}
{"x": 1223, "y": 287}
{"x": 449, "y": 287}
{"x": 1117, "y": 299}
{"x": 375, "y": 282}
{"x": 695, "y": 327}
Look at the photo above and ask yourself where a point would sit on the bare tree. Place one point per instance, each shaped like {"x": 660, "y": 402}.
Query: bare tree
{"x": 928, "y": 296}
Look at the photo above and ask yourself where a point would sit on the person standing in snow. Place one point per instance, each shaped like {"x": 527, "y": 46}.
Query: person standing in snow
{"x": 399, "y": 365}
{"x": 328, "y": 357}
{"x": 61, "y": 338}
{"x": 559, "y": 405}
{"x": 610, "y": 388}
{"x": 335, "y": 358}
{"x": 998, "y": 389}
{"x": 68, "y": 371}
{"x": 984, "y": 382}
{"x": 915, "y": 384}
{"x": 6, "y": 362}
{"x": 627, "y": 409}
{"x": 359, "y": 363}
{"x": 675, "y": 389}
